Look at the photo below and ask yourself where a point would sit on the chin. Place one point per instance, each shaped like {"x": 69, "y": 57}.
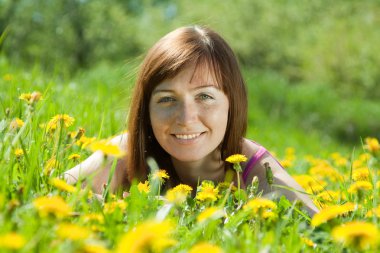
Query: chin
{"x": 189, "y": 157}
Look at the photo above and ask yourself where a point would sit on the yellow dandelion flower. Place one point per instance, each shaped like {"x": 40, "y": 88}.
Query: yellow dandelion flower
{"x": 261, "y": 207}
{"x": 150, "y": 236}
{"x": 364, "y": 157}
{"x": 324, "y": 170}
{"x": 12, "y": 241}
{"x": 332, "y": 212}
{"x": 320, "y": 204}
{"x": 335, "y": 155}
{"x": 30, "y": 98}
{"x": 269, "y": 215}
{"x": 374, "y": 212}
{"x": 112, "y": 206}
{"x": 308, "y": 242}
{"x": 316, "y": 189}
{"x": 74, "y": 156}
{"x": 161, "y": 175}
{"x": 144, "y": 187}
{"x": 97, "y": 228}
{"x": 93, "y": 217}
{"x": 54, "y": 205}
{"x": 359, "y": 234}
{"x": 62, "y": 185}
{"x": 309, "y": 183}
{"x": 77, "y": 134}
{"x": 73, "y": 232}
{"x": 360, "y": 186}
{"x": 107, "y": 148}
{"x": 237, "y": 158}
{"x": 25, "y": 96}
{"x": 16, "y": 123}
{"x": 290, "y": 151}
{"x": 205, "y": 247}
{"x": 19, "y": 152}
{"x": 84, "y": 141}
{"x": 207, "y": 192}
{"x": 183, "y": 188}
{"x": 51, "y": 164}
{"x": 339, "y": 160}
{"x": 178, "y": 194}
{"x": 342, "y": 162}
{"x": 94, "y": 248}
{"x": 290, "y": 157}
{"x": 210, "y": 213}
{"x": 311, "y": 159}
{"x": 8, "y": 77}
{"x": 63, "y": 120}
{"x": 372, "y": 145}
{"x": 329, "y": 196}
{"x": 175, "y": 197}
{"x": 361, "y": 174}
{"x": 357, "y": 164}
{"x": 286, "y": 163}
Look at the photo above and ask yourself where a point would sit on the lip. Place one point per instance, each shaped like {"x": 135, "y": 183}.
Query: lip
{"x": 187, "y": 138}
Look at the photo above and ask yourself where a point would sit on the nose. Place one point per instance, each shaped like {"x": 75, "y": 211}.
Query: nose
{"x": 187, "y": 113}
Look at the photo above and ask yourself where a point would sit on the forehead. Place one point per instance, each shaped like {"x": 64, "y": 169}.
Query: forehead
{"x": 193, "y": 75}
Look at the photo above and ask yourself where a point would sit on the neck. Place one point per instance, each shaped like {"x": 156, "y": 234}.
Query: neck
{"x": 209, "y": 168}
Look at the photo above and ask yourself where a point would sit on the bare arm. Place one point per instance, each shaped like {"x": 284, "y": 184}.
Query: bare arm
{"x": 96, "y": 168}
{"x": 281, "y": 178}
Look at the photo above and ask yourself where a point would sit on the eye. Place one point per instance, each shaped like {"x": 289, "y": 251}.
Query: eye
{"x": 204, "y": 96}
{"x": 165, "y": 100}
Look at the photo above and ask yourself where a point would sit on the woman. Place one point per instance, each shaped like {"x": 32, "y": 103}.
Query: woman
{"x": 189, "y": 112}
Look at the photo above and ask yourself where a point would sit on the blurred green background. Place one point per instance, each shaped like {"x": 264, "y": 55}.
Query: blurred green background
{"x": 312, "y": 67}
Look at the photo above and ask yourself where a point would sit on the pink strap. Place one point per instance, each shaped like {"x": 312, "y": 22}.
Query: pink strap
{"x": 253, "y": 161}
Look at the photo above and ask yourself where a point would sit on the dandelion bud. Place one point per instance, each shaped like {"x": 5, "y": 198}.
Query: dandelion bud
{"x": 268, "y": 173}
{"x": 80, "y": 133}
{"x": 372, "y": 145}
{"x": 7, "y": 112}
{"x": 35, "y": 96}
{"x": 16, "y": 123}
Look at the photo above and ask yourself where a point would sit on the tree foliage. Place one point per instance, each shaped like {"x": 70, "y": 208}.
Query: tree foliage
{"x": 319, "y": 41}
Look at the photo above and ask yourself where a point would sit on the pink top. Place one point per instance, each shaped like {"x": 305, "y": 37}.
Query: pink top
{"x": 253, "y": 161}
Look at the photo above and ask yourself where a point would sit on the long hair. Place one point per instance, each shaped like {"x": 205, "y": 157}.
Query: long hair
{"x": 171, "y": 54}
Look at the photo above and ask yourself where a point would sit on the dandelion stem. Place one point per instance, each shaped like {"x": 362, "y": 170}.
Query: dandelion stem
{"x": 110, "y": 176}
{"x": 238, "y": 169}
{"x": 17, "y": 137}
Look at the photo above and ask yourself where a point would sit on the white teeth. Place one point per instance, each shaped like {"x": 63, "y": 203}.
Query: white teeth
{"x": 187, "y": 136}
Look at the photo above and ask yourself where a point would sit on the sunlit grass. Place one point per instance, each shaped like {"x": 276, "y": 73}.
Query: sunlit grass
{"x": 37, "y": 208}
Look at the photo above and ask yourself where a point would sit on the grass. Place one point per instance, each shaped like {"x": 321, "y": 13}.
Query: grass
{"x": 40, "y": 213}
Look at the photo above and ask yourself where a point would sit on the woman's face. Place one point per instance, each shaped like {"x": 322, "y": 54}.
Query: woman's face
{"x": 189, "y": 114}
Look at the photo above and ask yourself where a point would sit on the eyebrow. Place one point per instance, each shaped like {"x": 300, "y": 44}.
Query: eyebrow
{"x": 196, "y": 88}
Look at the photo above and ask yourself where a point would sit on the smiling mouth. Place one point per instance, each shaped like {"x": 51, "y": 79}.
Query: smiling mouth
{"x": 187, "y": 136}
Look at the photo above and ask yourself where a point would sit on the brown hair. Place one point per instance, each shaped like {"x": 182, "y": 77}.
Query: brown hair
{"x": 166, "y": 59}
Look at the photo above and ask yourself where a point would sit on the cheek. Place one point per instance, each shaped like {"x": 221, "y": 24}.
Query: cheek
{"x": 159, "y": 118}
{"x": 217, "y": 116}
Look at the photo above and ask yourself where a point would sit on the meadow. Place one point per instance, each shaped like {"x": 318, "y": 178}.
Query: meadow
{"x": 49, "y": 123}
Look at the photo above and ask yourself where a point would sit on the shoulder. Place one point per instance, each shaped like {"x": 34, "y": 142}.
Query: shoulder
{"x": 256, "y": 155}
{"x": 249, "y": 147}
